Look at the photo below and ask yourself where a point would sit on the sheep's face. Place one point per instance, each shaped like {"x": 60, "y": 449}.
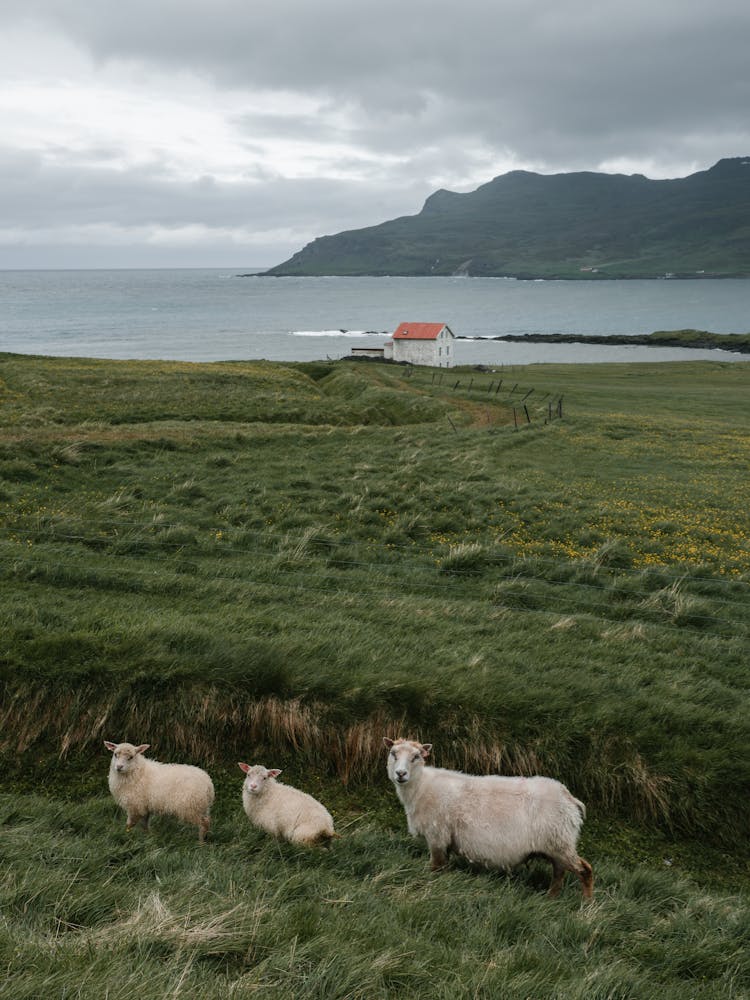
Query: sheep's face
{"x": 405, "y": 759}
{"x": 256, "y": 777}
{"x": 125, "y": 756}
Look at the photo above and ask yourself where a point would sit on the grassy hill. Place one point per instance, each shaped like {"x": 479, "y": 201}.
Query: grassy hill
{"x": 544, "y": 568}
{"x": 577, "y": 225}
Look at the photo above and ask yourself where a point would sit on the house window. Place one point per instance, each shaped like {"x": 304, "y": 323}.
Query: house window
{"x": 440, "y": 351}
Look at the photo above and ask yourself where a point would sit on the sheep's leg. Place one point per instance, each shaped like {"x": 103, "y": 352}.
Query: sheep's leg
{"x": 586, "y": 874}
{"x": 438, "y": 857}
{"x": 145, "y": 821}
{"x": 582, "y": 869}
{"x": 558, "y": 877}
{"x": 320, "y": 838}
{"x": 203, "y": 826}
{"x": 134, "y": 818}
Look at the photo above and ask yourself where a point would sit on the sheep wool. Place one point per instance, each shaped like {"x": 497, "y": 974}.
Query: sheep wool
{"x": 145, "y": 787}
{"x": 490, "y": 819}
{"x": 284, "y": 811}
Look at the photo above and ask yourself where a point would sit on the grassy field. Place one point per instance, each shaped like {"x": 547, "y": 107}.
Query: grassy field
{"x": 538, "y": 569}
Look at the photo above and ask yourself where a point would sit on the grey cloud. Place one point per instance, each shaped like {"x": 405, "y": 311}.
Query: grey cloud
{"x": 38, "y": 195}
{"x": 419, "y": 95}
{"x": 272, "y": 125}
{"x": 575, "y": 68}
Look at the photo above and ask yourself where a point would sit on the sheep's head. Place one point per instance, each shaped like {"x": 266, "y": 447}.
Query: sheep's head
{"x": 404, "y": 757}
{"x": 256, "y": 776}
{"x": 125, "y": 755}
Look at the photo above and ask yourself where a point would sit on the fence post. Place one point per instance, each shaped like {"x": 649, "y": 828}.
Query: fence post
{"x": 515, "y": 418}
{"x": 525, "y": 410}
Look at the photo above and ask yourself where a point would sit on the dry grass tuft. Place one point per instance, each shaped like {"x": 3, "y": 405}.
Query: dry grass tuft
{"x": 626, "y": 633}
{"x": 207, "y": 726}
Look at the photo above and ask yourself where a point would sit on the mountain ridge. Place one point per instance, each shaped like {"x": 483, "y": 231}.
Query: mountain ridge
{"x": 584, "y": 225}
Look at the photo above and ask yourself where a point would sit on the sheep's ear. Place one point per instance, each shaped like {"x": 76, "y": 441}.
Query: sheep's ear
{"x": 243, "y": 767}
{"x": 273, "y": 772}
{"x": 425, "y": 750}
{"x": 142, "y": 748}
{"x": 110, "y": 746}
{"x": 387, "y": 742}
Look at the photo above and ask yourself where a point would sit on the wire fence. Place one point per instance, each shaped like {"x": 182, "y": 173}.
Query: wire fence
{"x": 500, "y": 388}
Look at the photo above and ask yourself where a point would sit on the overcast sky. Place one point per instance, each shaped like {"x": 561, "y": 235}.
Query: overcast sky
{"x": 230, "y": 133}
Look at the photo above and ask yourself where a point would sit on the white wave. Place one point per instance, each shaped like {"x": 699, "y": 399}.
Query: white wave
{"x": 336, "y": 333}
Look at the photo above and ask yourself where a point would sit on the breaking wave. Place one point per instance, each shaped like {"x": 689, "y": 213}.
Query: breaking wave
{"x": 336, "y": 333}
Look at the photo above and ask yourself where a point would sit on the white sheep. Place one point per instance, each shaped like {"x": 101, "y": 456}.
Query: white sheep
{"x": 144, "y": 787}
{"x": 493, "y": 820}
{"x": 282, "y": 810}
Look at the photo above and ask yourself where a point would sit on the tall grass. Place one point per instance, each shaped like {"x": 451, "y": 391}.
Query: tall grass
{"x": 285, "y": 563}
{"x": 527, "y": 601}
{"x": 89, "y": 911}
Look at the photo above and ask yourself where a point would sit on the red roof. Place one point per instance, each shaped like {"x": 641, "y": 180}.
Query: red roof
{"x": 418, "y": 331}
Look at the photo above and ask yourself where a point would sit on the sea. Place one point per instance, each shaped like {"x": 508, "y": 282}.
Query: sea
{"x": 220, "y": 314}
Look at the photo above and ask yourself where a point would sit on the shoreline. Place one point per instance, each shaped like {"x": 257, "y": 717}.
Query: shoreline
{"x": 693, "y": 339}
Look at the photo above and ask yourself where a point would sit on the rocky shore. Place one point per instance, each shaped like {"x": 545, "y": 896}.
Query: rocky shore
{"x": 736, "y": 342}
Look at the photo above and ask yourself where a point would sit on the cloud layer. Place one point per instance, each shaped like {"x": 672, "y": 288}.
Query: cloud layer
{"x": 227, "y": 133}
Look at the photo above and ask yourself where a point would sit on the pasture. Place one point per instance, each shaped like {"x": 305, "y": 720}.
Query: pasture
{"x": 282, "y": 564}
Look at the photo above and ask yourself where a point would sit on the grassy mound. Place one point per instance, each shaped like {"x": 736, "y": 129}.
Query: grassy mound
{"x": 528, "y": 599}
{"x": 285, "y": 562}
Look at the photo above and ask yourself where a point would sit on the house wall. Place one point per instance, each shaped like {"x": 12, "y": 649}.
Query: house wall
{"x": 437, "y": 353}
{"x": 417, "y": 352}
{"x": 445, "y": 349}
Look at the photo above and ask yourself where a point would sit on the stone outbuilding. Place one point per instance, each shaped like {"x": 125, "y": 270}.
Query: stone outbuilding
{"x": 422, "y": 344}
{"x": 368, "y": 352}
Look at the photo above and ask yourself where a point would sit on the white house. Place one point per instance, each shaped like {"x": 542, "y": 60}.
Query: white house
{"x": 422, "y": 344}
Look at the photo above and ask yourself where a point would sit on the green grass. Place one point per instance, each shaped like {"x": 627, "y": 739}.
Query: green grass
{"x": 91, "y": 911}
{"x": 285, "y": 562}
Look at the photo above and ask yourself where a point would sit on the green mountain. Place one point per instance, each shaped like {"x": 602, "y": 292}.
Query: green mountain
{"x": 577, "y": 225}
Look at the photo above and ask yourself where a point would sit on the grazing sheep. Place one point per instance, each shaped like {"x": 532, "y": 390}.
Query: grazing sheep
{"x": 284, "y": 811}
{"x": 143, "y": 787}
{"x": 490, "y": 819}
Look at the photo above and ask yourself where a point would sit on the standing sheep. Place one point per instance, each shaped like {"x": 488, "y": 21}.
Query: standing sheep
{"x": 284, "y": 811}
{"x": 143, "y": 787}
{"x": 490, "y": 819}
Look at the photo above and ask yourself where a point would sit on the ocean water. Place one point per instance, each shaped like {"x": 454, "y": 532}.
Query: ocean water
{"x": 214, "y": 315}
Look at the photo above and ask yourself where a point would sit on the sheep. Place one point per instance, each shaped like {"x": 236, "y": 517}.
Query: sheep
{"x": 143, "y": 786}
{"x": 282, "y": 810}
{"x": 490, "y": 819}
